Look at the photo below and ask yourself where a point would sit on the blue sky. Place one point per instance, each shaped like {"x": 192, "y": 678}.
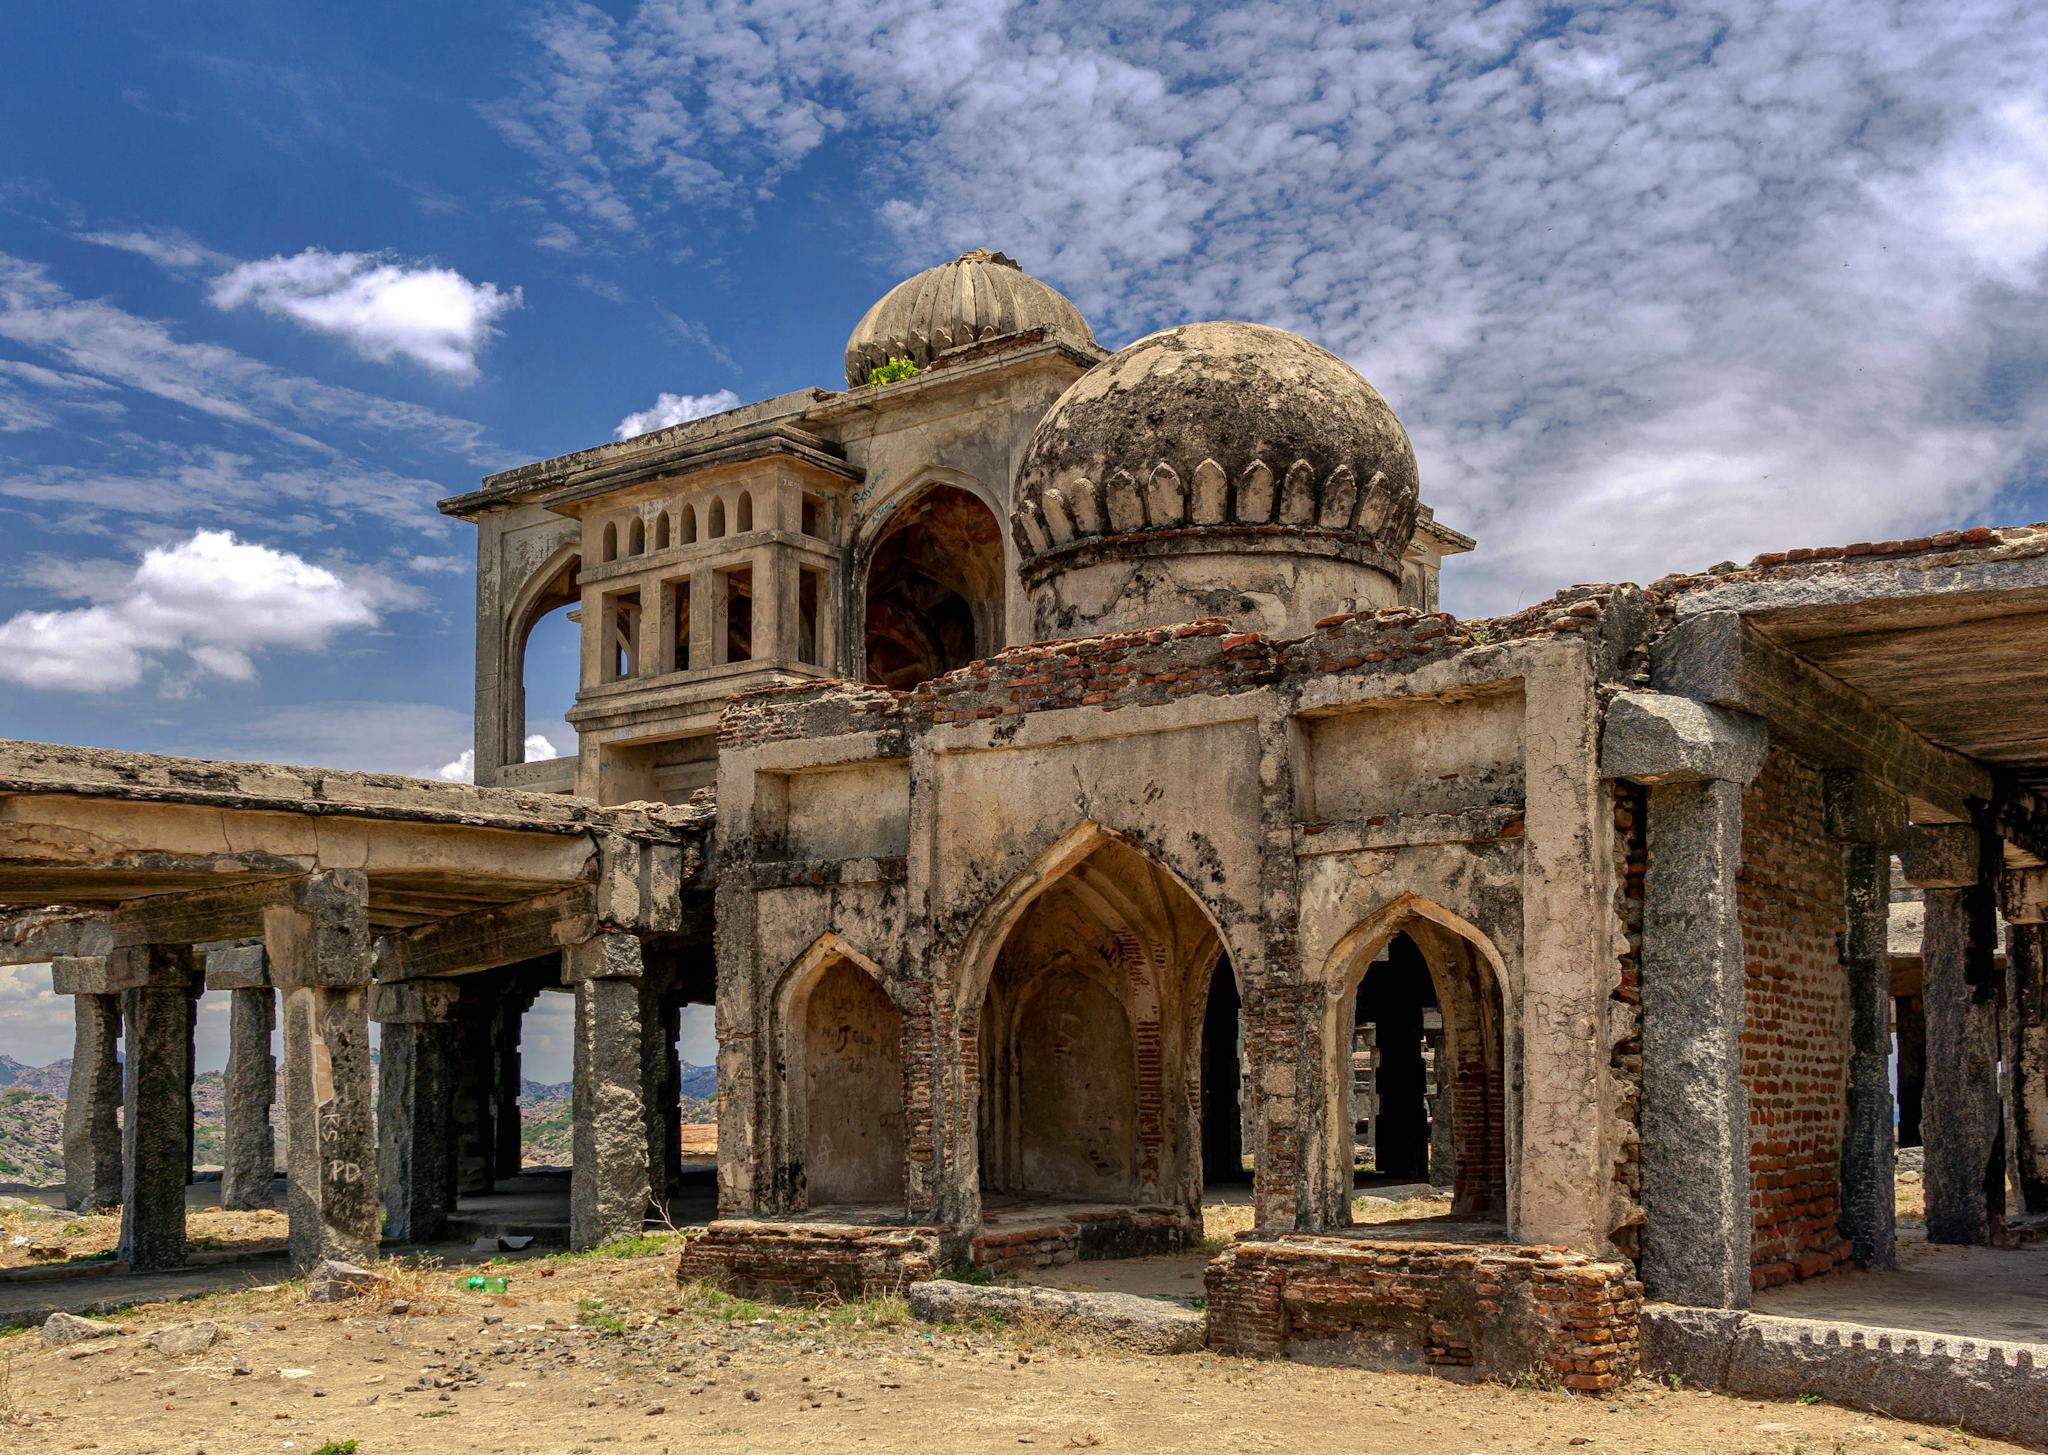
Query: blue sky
{"x": 1650, "y": 286}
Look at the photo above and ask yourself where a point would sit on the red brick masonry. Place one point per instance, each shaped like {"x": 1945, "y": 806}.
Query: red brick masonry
{"x": 1477, "y": 1311}
{"x": 799, "y": 1262}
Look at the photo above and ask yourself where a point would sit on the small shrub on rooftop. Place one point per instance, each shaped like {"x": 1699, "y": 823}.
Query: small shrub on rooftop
{"x": 890, "y": 372}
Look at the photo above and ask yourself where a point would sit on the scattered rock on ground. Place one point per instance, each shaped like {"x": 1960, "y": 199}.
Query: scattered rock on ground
{"x": 62, "y": 1329}
{"x": 183, "y": 1341}
{"x": 334, "y": 1281}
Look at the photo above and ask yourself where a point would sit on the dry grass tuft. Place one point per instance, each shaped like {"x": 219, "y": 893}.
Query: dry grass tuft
{"x": 11, "y": 1410}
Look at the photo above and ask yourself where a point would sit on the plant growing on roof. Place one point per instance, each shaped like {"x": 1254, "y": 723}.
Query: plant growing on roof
{"x": 889, "y": 373}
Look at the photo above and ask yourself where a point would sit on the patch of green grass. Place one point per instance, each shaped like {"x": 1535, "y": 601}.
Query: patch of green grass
{"x": 590, "y": 1313}
{"x": 335, "y": 1447}
{"x": 881, "y": 1311}
{"x": 968, "y": 1273}
{"x": 707, "y": 1301}
{"x": 1811, "y": 1398}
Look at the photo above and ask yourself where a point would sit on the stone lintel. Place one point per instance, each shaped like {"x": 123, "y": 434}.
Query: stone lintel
{"x": 1720, "y": 658}
{"x": 134, "y": 968}
{"x": 504, "y": 934}
{"x": 1658, "y": 738}
{"x": 83, "y": 975}
{"x": 609, "y": 956}
{"x": 2023, "y": 896}
{"x": 1942, "y": 856}
{"x": 1861, "y": 810}
{"x": 237, "y": 967}
{"x": 413, "y": 1003}
{"x": 37, "y": 935}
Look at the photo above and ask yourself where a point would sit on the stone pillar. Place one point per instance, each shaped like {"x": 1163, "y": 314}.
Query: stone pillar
{"x": 156, "y": 1114}
{"x": 1868, "y": 820}
{"x": 415, "y": 1070}
{"x": 92, "y": 1125}
{"x": 2026, "y": 1049}
{"x": 1694, "y": 1111}
{"x": 661, "y": 1086}
{"x": 251, "y": 1081}
{"x": 473, "y": 1086}
{"x": 1909, "y": 1020}
{"x": 1961, "y": 1117}
{"x": 319, "y": 949}
{"x": 508, "y": 1155}
{"x": 608, "y": 1184}
{"x": 191, "y": 1076}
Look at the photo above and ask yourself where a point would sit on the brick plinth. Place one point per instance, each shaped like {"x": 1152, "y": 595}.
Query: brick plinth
{"x": 1082, "y": 1235}
{"x": 805, "y": 1262}
{"x": 1476, "y": 1311}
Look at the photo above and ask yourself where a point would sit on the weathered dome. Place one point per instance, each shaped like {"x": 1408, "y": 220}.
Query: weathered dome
{"x": 1245, "y": 445}
{"x": 979, "y": 295}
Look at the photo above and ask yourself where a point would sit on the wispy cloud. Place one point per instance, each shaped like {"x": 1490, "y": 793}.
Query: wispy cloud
{"x": 169, "y": 248}
{"x": 1650, "y": 286}
{"x": 382, "y": 308}
{"x": 211, "y": 603}
{"x": 101, "y": 339}
{"x": 203, "y": 482}
{"x": 669, "y": 409}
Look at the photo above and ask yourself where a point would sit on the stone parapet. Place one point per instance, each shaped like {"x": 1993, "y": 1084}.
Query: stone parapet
{"x": 1993, "y": 1387}
{"x": 1472, "y": 1311}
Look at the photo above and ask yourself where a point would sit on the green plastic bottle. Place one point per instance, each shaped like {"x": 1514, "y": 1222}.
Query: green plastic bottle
{"x": 478, "y": 1283}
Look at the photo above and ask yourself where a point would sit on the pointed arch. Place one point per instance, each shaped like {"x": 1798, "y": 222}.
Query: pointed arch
{"x": 1474, "y": 990}
{"x": 934, "y": 576}
{"x": 714, "y": 520}
{"x": 743, "y": 513}
{"x": 687, "y": 531}
{"x": 839, "y": 1089}
{"x": 661, "y": 531}
{"x": 1082, "y": 995}
{"x": 636, "y": 537}
{"x": 549, "y": 588}
{"x": 611, "y": 541}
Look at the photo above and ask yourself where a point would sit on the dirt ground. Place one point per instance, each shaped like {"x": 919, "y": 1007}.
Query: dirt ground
{"x": 595, "y": 1352}
{"x": 45, "y": 1235}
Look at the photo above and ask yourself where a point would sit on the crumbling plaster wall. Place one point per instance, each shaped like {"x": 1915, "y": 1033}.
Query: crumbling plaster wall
{"x": 1197, "y": 760}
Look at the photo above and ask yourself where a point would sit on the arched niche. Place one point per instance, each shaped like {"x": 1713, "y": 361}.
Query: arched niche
{"x": 551, "y": 589}
{"x": 840, "y": 1041}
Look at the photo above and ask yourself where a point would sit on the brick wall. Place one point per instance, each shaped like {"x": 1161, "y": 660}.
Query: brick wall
{"x": 1795, "y": 1038}
{"x": 805, "y": 1262}
{"x": 1497, "y": 1311}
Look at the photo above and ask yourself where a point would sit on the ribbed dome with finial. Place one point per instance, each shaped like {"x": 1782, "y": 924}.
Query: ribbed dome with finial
{"x": 979, "y": 295}
{"x": 1238, "y": 469}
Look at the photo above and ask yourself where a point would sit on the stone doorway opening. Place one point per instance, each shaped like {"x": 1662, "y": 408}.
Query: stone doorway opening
{"x": 934, "y": 597}
{"x": 1418, "y": 1066}
{"x": 1090, "y": 1047}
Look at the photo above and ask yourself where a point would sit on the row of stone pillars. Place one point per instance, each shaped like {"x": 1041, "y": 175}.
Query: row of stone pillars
{"x": 1694, "y": 1115}
{"x": 449, "y": 1074}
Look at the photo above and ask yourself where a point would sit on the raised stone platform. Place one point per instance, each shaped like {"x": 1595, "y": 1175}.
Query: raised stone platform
{"x": 1464, "y": 1310}
{"x": 1014, "y": 1239}
{"x": 1992, "y": 1386}
{"x": 804, "y": 1261}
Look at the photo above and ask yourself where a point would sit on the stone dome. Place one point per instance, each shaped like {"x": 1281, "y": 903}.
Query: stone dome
{"x": 1237, "y": 442}
{"x": 979, "y": 295}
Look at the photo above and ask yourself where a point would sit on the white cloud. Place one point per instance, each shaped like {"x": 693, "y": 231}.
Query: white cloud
{"x": 97, "y": 338}
{"x": 463, "y": 768}
{"x": 212, "y": 599}
{"x": 1650, "y": 285}
{"x": 381, "y": 308}
{"x": 671, "y": 409}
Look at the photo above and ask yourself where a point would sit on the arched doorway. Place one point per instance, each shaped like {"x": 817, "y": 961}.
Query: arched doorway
{"x": 934, "y": 596}
{"x": 1426, "y": 1086}
{"x": 543, "y": 665}
{"x": 1089, "y": 1040}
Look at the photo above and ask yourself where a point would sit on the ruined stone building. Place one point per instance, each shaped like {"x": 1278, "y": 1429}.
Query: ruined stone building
{"x": 1045, "y": 763}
